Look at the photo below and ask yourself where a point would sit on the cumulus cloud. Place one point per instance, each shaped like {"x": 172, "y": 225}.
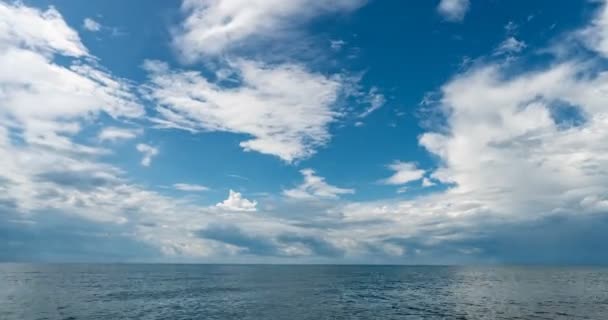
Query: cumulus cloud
{"x": 236, "y": 202}
{"x": 148, "y": 153}
{"x": 116, "y": 133}
{"x": 189, "y": 187}
{"x": 404, "y": 172}
{"x": 284, "y": 109}
{"x": 315, "y": 187}
{"x": 213, "y": 26}
{"x": 91, "y": 25}
{"x": 453, "y": 10}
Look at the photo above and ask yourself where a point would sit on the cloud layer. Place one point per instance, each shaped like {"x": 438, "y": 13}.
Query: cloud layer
{"x": 520, "y": 155}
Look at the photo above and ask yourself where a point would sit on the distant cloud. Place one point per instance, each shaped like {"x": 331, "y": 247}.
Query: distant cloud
{"x": 375, "y": 100}
{"x": 509, "y": 46}
{"x": 404, "y": 172}
{"x": 337, "y": 45}
{"x": 148, "y": 152}
{"x": 511, "y": 27}
{"x": 236, "y": 202}
{"x": 115, "y": 133}
{"x": 189, "y": 187}
{"x": 453, "y": 10}
{"x": 315, "y": 187}
{"x": 91, "y": 25}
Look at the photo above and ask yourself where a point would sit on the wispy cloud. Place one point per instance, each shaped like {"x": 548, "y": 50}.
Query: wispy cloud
{"x": 315, "y": 187}
{"x": 116, "y": 133}
{"x": 91, "y": 25}
{"x": 189, "y": 187}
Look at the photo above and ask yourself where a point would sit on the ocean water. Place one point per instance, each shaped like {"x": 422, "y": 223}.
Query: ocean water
{"x": 81, "y": 291}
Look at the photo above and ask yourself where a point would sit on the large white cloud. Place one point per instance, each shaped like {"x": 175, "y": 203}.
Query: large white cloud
{"x": 285, "y": 109}
{"x": 212, "y": 26}
{"x": 45, "y": 100}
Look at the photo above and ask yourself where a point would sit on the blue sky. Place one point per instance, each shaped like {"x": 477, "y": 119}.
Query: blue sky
{"x": 349, "y": 131}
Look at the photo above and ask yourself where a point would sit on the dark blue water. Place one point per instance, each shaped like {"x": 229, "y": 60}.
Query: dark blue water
{"x": 300, "y": 292}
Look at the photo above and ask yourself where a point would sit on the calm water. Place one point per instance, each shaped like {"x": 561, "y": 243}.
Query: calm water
{"x": 300, "y": 292}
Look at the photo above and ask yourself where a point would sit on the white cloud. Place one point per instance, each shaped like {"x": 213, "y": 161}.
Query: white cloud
{"x": 236, "y": 202}
{"x": 505, "y": 151}
{"x": 91, "y": 25}
{"x": 148, "y": 153}
{"x": 43, "y": 31}
{"x": 509, "y": 46}
{"x": 315, "y": 187}
{"x": 337, "y": 45}
{"x": 44, "y": 101}
{"x": 404, "y": 172}
{"x": 509, "y": 148}
{"x": 426, "y": 182}
{"x": 453, "y": 10}
{"x": 596, "y": 34}
{"x": 212, "y": 26}
{"x": 115, "y": 133}
{"x": 189, "y": 187}
{"x": 375, "y": 100}
{"x": 285, "y": 109}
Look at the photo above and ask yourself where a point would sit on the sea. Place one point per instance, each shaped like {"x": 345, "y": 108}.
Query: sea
{"x": 294, "y": 292}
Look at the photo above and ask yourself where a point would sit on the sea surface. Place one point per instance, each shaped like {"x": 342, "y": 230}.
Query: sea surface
{"x": 123, "y": 291}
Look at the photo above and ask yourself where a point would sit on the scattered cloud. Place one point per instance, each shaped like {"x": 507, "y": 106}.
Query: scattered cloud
{"x": 375, "y": 100}
{"x": 315, "y": 187}
{"x": 510, "y": 46}
{"x": 116, "y": 133}
{"x": 91, "y": 25}
{"x": 188, "y": 187}
{"x": 148, "y": 153}
{"x": 517, "y": 169}
{"x": 236, "y": 202}
{"x": 453, "y": 10}
{"x": 511, "y": 27}
{"x": 404, "y": 172}
{"x": 336, "y": 45}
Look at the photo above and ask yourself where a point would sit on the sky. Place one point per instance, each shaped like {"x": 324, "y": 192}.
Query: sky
{"x": 304, "y": 131}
